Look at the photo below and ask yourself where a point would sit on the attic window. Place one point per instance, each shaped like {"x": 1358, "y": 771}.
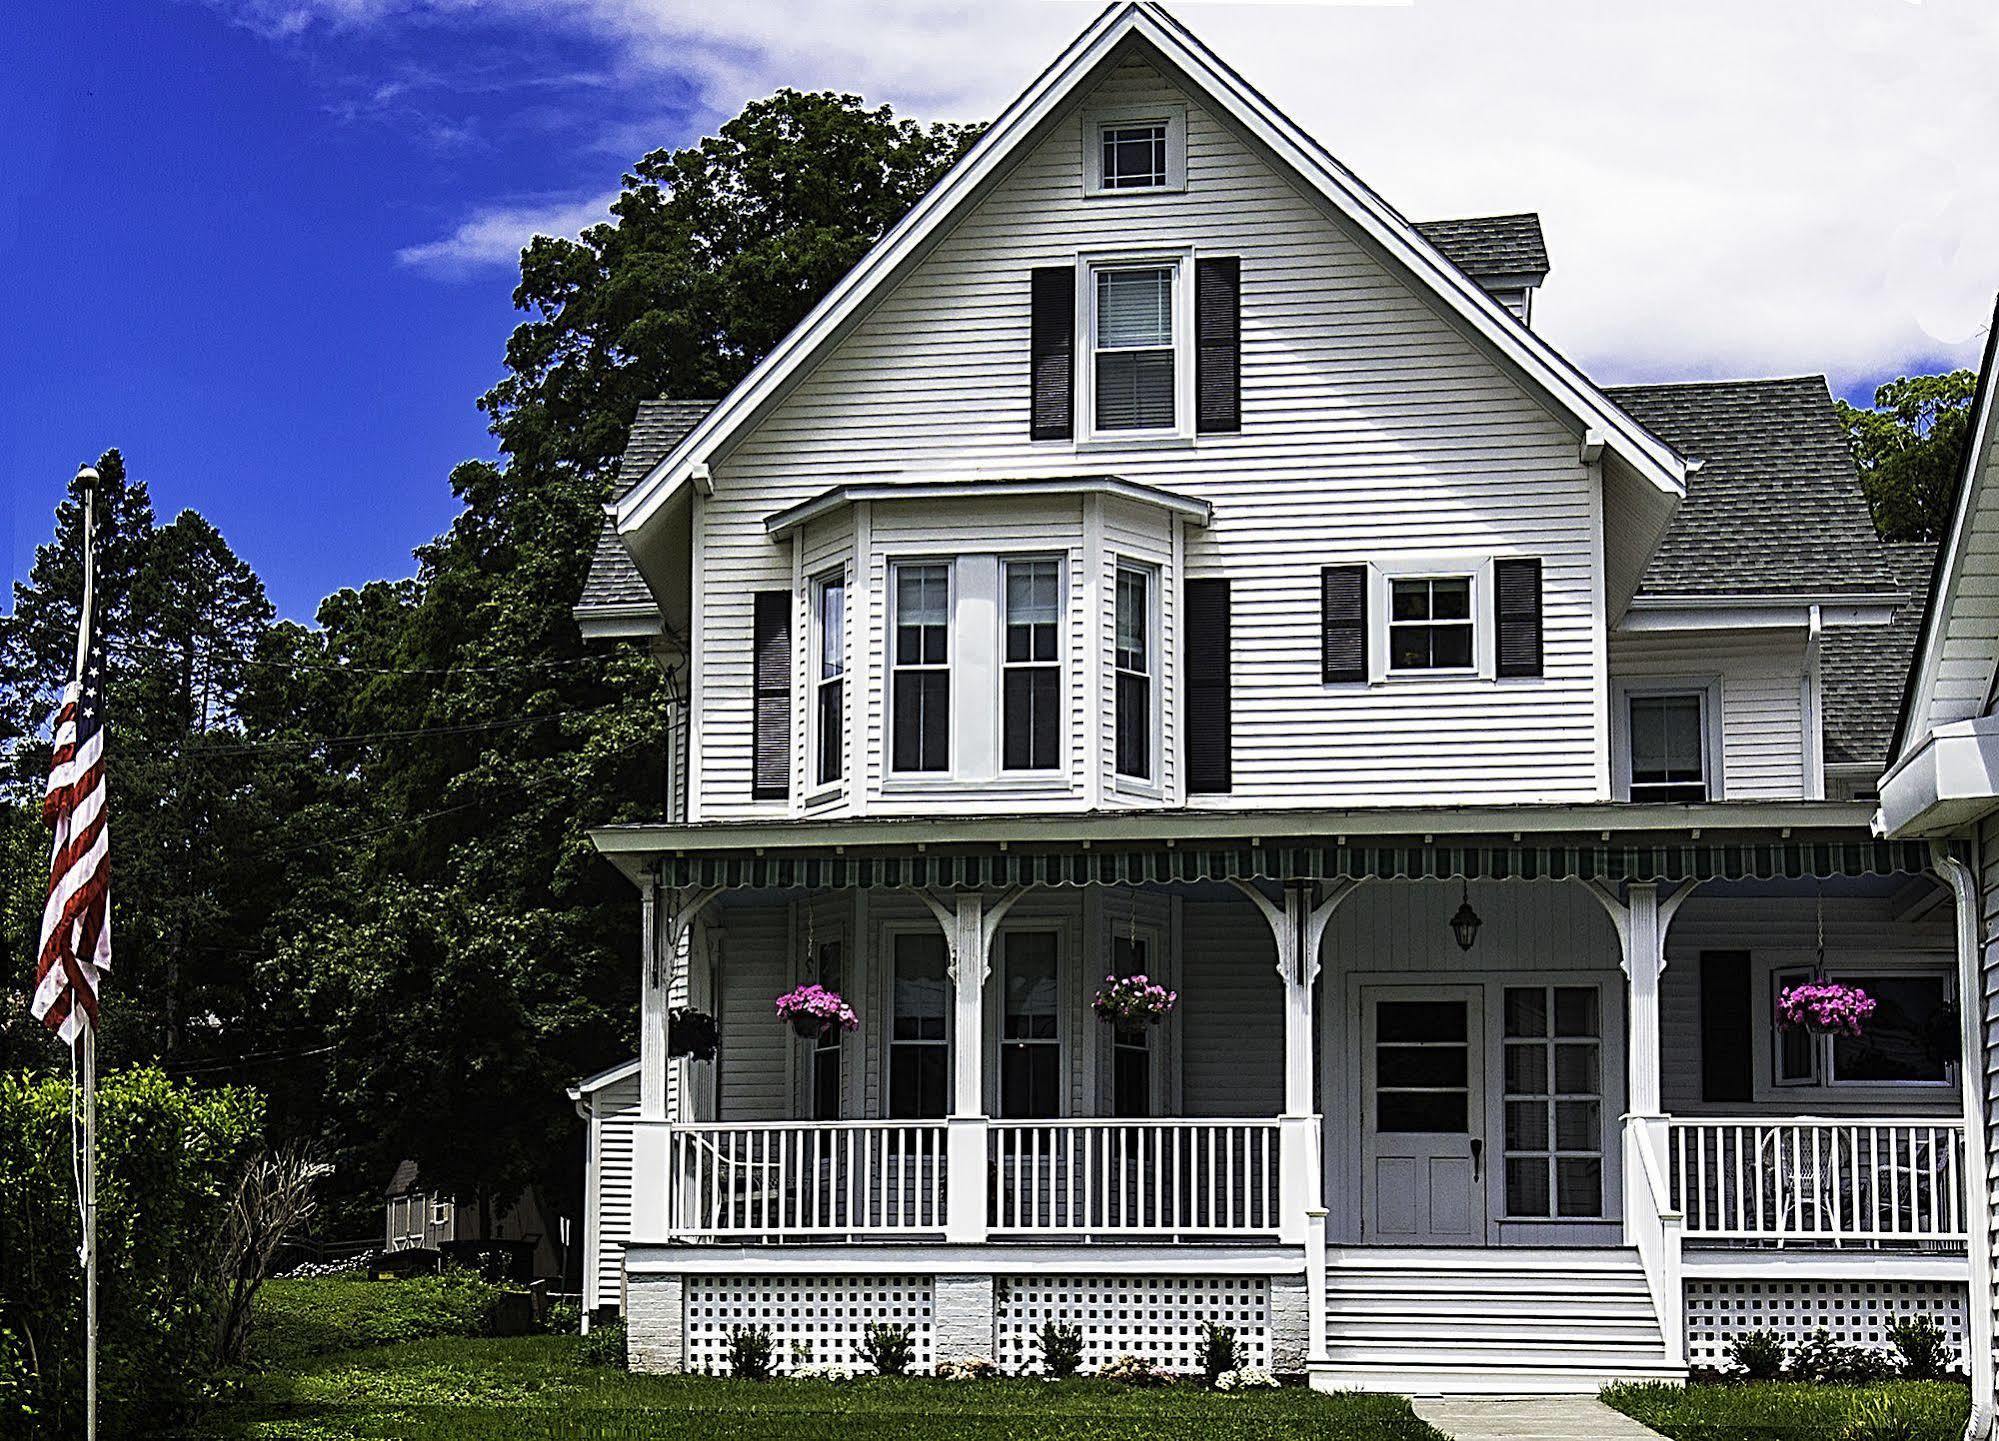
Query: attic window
{"x": 1127, "y": 150}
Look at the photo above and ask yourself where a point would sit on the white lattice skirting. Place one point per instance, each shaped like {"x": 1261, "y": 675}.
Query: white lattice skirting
{"x": 1156, "y": 1318}
{"x": 1857, "y": 1313}
{"x": 823, "y": 1318}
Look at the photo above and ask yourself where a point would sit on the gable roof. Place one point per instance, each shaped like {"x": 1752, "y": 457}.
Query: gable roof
{"x": 1775, "y": 508}
{"x": 403, "y": 1181}
{"x": 1166, "y": 43}
{"x": 1865, "y": 667}
{"x": 1958, "y": 647}
{"x": 1491, "y": 247}
{"x": 613, "y": 582}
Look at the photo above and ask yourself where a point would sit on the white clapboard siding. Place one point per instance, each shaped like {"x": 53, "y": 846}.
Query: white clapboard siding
{"x": 1782, "y": 933}
{"x": 1762, "y": 699}
{"x": 614, "y": 1110}
{"x": 1231, "y": 1013}
{"x": 752, "y": 1075}
{"x": 1371, "y": 427}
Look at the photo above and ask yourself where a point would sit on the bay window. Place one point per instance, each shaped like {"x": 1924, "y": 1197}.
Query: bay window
{"x": 1031, "y": 667}
{"x": 1133, "y": 665}
{"x": 829, "y": 682}
{"x": 920, "y": 671}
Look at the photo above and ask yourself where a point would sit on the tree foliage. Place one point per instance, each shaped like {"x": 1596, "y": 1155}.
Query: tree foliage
{"x": 1909, "y": 448}
{"x": 351, "y": 858}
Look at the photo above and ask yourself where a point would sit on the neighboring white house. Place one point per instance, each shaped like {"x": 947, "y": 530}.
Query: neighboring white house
{"x": 1944, "y": 783}
{"x": 417, "y": 1217}
{"x": 1158, "y": 555}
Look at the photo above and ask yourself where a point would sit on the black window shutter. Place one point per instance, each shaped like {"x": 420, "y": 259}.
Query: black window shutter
{"x": 770, "y": 777}
{"x": 1519, "y": 585}
{"x": 1052, "y": 342}
{"x": 1727, "y": 1063}
{"x": 1218, "y": 345}
{"x": 1343, "y": 622}
{"x": 1206, "y": 667}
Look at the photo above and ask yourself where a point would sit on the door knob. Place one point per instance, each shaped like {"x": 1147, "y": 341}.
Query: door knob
{"x": 1477, "y": 1157}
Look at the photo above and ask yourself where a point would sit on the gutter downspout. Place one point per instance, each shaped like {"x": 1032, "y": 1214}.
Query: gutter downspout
{"x": 1963, "y": 884}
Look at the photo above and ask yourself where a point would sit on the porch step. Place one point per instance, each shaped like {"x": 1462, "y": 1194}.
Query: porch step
{"x": 1502, "y": 1320}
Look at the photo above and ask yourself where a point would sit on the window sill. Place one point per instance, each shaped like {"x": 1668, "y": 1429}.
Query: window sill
{"x": 1417, "y": 677}
{"x": 1143, "y": 790}
{"x": 1049, "y": 782}
{"x": 1133, "y": 440}
{"x": 1133, "y": 192}
{"x": 827, "y": 792}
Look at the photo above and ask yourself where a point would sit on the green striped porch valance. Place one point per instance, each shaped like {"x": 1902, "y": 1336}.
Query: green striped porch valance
{"x": 990, "y": 868}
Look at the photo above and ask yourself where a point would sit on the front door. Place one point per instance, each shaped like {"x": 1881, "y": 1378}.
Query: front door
{"x": 1423, "y": 1108}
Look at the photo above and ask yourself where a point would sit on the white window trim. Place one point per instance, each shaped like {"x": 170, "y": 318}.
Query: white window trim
{"x": 1096, "y": 121}
{"x": 1707, "y": 687}
{"x": 951, "y": 668}
{"x": 1059, "y": 772}
{"x": 816, "y": 789}
{"x": 1155, "y": 623}
{"x": 1432, "y": 565}
{"x": 1088, "y": 264}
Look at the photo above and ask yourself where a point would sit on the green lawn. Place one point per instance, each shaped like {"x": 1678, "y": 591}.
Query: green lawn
{"x": 533, "y": 1389}
{"x": 1786, "y": 1411}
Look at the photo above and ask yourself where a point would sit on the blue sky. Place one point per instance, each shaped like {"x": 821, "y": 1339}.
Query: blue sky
{"x": 265, "y": 246}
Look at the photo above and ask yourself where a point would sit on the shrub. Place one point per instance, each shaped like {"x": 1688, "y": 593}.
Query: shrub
{"x": 1217, "y": 1353}
{"x": 889, "y": 1349}
{"x": 1061, "y": 1349}
{"x": 1759, "y": 1355}
{"x": 1820, "y": 1358}
{"x": 563, "y": 1318}
{"x": 972, "y": 1368}
{"x": 168, "y": 1159}
{"x": 1132, "y": 1371}
{"x": 604, "y": 1345}
{"x": 1924, "y": 1353}
{"x": 749, "y": 1353}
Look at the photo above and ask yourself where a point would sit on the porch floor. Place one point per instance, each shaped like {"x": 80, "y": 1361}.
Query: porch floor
{"x": 1542, "y": 1418}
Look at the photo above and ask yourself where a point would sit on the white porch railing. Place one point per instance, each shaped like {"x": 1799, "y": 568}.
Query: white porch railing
{"x": 1820, "y": 1181}
{"x": 805, "y": 1178}
{"x": 1152, "y": 1177}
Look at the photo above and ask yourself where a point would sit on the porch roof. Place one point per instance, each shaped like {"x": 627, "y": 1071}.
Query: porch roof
{"x": 1722, "y": 841}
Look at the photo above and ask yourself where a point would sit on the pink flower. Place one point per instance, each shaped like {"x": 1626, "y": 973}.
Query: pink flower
{"x": 816, "y": 1003}
{"x": 1133, "y": 1001}
{"x": 1824, "y": 1006}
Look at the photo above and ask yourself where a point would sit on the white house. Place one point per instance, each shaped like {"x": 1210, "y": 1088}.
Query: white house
{"x": 1944, "y": 783}
{"x": 1158, "y": 555}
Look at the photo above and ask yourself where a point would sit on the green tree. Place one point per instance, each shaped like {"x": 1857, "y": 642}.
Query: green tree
{"x": 1909, "y": 448}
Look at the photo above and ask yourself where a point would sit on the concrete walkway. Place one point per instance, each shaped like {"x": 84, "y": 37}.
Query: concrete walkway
{"x": 1544, "y": 1418}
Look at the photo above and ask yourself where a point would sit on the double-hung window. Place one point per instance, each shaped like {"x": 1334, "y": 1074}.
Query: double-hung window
{"x": 1131, "y": 1046}
{"x": 1668, "y": 746}
{"x": 826, "y": 1049}
{"x": 1133, "y": 348}
{"x": 1134, "y": 662}
{"x": 920, "y": 673}
{"x": 919, "y": 1047}
{"x": 1430, "y": 623}
{"x": 1031, "y": 669}
{"x": 829, "y": 682}
{"x": 1030, "y": 1039}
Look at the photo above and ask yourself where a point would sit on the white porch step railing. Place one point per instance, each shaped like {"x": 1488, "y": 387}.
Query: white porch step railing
{"x": 1820, "y": 1181}
{"x": 806, "y": 1178}
{"x": 1168, "y": 1177}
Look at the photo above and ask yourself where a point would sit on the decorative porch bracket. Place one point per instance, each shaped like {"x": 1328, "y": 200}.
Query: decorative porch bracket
{"x": 1978, "y": 1321}
{"x": 1642, "y": 915}
{"x": 667, "y": 921}
{"x": 971, "y": 923}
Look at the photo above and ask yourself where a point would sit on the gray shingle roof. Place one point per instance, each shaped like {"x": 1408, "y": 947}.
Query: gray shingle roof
{"x": 1866, "y": 667}
{"x": 1775, "y": 508}
{"x": 404, "y": 1180}
{"x": 1490, "y": 245}
{"x": 656, "y": 429}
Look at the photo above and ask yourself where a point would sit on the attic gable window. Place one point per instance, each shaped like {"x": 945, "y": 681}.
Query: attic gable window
{"x": 1135, "y": 149}
{"x": 1134, "y": 156}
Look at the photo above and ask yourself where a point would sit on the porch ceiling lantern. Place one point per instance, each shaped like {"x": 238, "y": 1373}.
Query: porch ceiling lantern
{"x": 1465, "y": 921}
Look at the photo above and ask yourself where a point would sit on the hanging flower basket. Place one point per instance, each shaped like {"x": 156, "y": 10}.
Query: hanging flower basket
{"x": 1133, "y": 1001}
{"x": 692, "y": 1033}
{"x": 812, "y": 1011}
{"x": 1825, "y": 1008}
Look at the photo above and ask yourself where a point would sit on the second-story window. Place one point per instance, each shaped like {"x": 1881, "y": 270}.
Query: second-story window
{"x": 1133, "y": 348}
{"x": 829, "y": 683}
{"x": 920, "y": 678}
{"x": 1031, "y": 671}
{"x": 1669, "y": 747}
{"x": 1430, "y": 624}
{"x": 1134, "y": 672}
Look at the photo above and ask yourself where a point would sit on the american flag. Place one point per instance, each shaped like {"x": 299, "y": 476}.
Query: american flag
{"x": 76, "y": 922}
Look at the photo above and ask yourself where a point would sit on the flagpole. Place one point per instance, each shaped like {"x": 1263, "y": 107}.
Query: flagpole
{"x": 86, "y": 480}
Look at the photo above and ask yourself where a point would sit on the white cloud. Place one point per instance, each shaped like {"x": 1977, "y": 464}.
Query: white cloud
{"x": 1796, "y": 185}
{"x": 496, "y": 235}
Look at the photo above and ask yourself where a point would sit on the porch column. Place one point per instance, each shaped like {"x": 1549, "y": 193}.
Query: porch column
{"x": 667, "y": 918}
{"x": 970, "y": 924}
{"x": 1978, "y": 1218}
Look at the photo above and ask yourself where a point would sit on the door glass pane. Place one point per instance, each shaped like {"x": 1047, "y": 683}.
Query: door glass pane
{"x": 1419, "y": 1021}
{"x": 1420, "y": 1111}
{"x": 1575, "y": 1011}
{"x": 1554, "y": 1137}
{"x": 1576, "y": 1126}
{"x": 1579, "y": 1186}
{"x": 1526, "y": 1011}
{"x": 1425, "y": 1067}
{"x": 1526, "y": 1187}
{"x": 1421, "y": 1067}
{"x": 1526, "y": 1126}
{"x": 1576, "y": 1070}
{"x": 1526, "y": 1070}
